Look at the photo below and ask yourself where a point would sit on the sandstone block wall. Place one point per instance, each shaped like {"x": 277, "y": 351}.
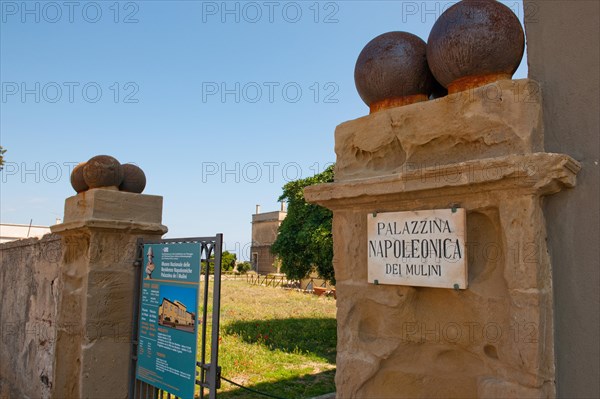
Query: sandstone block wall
{"x": 100, "y": 230}
{"x": 29, "y": 296}
{"x": 498, "y": 119}
{"x": 66, "y": 301}
{"x": 473, "y": 150}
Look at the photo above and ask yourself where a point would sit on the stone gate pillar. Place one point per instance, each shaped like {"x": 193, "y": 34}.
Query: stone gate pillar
{"x": 94, "y": 323}
{"x": 480, "y": 150}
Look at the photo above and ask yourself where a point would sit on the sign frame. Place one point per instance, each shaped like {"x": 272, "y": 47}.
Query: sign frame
{"x": 168, "y": 329}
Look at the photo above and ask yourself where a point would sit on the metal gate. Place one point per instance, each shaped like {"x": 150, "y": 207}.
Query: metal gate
{"x": 208, "y": 373}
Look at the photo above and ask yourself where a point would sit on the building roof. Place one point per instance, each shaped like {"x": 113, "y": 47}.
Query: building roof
{"x": 12, "y": 231}
{"x": 269, "y": 216}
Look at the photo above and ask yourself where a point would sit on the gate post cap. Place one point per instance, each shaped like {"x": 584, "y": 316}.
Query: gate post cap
{"x": 77, "y": 181}
{"x": 134, "y": 179}
{"x": 392, "y": 70}
{"x": 102, "y": 171}
{"x": 473, "y": 43}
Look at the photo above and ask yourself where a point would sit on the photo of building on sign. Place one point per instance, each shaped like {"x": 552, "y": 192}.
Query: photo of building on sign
{"x": 176, "y": 308}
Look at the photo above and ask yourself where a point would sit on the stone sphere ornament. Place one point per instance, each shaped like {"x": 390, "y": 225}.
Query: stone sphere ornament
{"x": 392, "y": 71}
{"x": 77, "y": 181}
{"x": 134, "y": 179}
{"x": 473, "y": 43}
{"x": 102, "y": 171}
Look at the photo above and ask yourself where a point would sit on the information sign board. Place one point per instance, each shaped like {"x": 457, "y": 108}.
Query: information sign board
{"x": 168, "y": 332}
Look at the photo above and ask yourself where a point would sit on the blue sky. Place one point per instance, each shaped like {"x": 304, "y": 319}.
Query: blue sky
{"x": 220, "y": 103}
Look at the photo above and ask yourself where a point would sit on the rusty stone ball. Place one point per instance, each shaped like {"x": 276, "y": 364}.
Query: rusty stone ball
{"x": 77, "y": 181}
{"x": 102, "y": 171}
{"x": 393, "y": 66}
{"x": 477, "y": 41}
{"x": 134, "y": 179}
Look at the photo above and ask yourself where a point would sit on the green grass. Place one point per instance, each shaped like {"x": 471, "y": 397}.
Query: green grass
{"x": 276, "y": 341}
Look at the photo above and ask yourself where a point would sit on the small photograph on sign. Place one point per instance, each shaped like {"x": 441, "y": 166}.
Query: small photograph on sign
{"x": 418, "y": 248}
{"x": 177, "y": 308}
{"x": 150, "y": 266}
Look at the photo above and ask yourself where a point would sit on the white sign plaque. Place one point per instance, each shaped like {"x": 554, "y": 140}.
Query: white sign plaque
{"x": 418, "y": 248}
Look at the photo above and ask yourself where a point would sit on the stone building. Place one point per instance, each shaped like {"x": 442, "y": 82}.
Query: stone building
{"x": 264, "y": 232}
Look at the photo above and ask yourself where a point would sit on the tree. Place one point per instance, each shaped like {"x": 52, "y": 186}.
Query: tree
{"x": 305, "y": 241}
{"x": 228, "y": 261}
{"x": 243, "y": 267}
{"x": 2, "y": 151}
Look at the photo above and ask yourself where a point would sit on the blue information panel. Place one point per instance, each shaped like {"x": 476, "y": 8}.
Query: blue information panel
{"x": 168, "y": 332}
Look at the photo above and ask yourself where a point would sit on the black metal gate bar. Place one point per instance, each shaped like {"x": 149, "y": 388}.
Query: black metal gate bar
{"x": 214, "y": 371}
{"x": 209, "y": 372}
{"x": 202, "y": 362}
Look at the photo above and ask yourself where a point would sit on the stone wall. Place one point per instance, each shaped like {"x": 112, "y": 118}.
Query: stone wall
{"x": 29, "y": 296}
{"x": 564, "y": 57}
{"x": 67, "y": 299}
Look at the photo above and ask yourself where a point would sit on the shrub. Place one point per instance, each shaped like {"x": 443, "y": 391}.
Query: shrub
{"x": 244, "y": 267}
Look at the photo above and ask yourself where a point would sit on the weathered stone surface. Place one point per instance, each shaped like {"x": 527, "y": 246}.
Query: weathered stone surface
{"x": 97, "y": 205}
{"x": 491, "y": 388}
{"x": 29, "y": 295}
{"x": 66, "y": 300}
{"x": 494, "y": 339}
{"x": 498, "y": 119}
{"x": 94, "y": 336}
{"x": 539, "y": 173}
